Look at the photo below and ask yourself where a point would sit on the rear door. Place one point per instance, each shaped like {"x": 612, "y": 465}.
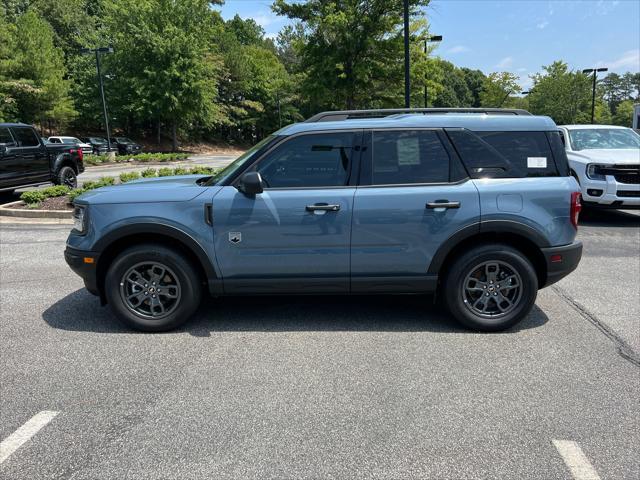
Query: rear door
{"x": 295, "y": 236}
{"x": 32, "y": 155}
{"x": 10, "y": 168}
{"x": 413, "y": 195}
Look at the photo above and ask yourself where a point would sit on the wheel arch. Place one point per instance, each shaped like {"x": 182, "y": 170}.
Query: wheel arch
{"x": 117, "y": 240}
{"x": 517, "y": 235}
{"x": 64, "y": 160}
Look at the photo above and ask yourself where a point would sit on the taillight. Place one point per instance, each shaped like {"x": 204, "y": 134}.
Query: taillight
{"x": 576, "y": 207}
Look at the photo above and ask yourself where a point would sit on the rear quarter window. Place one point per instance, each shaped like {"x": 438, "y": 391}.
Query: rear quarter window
{"x": 5, "y": 136}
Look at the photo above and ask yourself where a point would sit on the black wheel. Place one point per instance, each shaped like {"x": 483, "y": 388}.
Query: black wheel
{"x": 67, "y": 176}
{"x": 490, "y": 287}
{"x": 152, "y": 288}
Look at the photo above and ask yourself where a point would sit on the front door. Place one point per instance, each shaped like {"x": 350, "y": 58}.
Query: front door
{"x": 413, "y": 197}
{"x": 32, "y": 155}
{"x": 295, "y": 236}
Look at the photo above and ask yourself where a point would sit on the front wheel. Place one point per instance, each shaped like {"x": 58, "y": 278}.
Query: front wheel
{"x": 152, "y": 288}
{"x": 491, "y": 287}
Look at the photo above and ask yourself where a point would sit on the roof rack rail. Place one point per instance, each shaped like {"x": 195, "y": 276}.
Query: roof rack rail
{"x": 339, "y": 115}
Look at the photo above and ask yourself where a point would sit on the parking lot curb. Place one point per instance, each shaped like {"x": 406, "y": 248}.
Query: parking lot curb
{"x": 7, "y": 211}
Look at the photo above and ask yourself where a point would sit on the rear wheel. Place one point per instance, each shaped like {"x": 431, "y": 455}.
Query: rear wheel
{"x": 67, "y": 176}
{"x": 152, "y": 288}
{"x": 491, "y": 287}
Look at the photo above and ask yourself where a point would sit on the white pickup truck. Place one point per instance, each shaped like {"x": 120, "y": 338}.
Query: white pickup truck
{"x": 605, "y": 160}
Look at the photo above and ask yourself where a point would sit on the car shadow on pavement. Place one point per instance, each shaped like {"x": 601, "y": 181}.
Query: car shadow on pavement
{"x": 80, "y": 311}
{"x": 593, "y": 217}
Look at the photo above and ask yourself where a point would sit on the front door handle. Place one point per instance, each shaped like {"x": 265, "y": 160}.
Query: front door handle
{"x": 443, "y": 204}
{"x": 323, "y": 207}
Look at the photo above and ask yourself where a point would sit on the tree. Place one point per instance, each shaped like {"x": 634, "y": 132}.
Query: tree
{"x": 164, "y": 69}
{"x": 474, "y": 80}
{"x": 454, "y": 91}
{"x": 37, "y": 71}
{"x": 354, "y": 50}
{"x": 624, "y": 114}
{"x": 561, "y": 93}
{"x": 497, "y": 88}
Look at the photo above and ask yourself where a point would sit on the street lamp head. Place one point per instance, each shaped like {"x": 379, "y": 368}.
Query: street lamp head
{"x": 525, "y": 93}
{"x": 105, "y": 49}
{"x": 604, "y": 69}
{"x": 587, "y": 70}
{"x": 85, "y": 51}
{"x": 435, "y": 38}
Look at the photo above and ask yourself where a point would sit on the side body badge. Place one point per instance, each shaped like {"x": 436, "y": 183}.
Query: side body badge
{"x": 235, "y": 237}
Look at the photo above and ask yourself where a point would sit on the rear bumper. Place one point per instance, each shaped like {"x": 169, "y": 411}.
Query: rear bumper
{"x": 561, "y": 261}
{"x": 87, "y": 271}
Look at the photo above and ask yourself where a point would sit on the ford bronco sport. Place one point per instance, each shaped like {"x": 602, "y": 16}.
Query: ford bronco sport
{"x": 478, "y": 208}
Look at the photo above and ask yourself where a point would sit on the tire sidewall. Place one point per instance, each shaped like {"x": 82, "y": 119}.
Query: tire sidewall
{"x": 466, "y": 263}
{"x": 184, "y": 271}
{"x": 61, "y": 175}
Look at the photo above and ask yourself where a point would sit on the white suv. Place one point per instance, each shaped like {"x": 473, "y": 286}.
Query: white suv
{"x": 605, "y": 160}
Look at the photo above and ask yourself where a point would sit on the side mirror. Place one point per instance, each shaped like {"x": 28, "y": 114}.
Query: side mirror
{"x": 250, "y": 184}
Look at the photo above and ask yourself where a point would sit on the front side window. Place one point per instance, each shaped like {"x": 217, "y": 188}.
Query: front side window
{"x": 406, "y": 157}
{"x": 26, "y": 137}
{"x": 313, "y": 160}
{"x": 606, "y": 138}
{"x": 5, "y": 136}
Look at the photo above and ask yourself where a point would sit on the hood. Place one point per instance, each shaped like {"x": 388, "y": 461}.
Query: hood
{"x": 611, "y": 156}
{"x": 153, "y": 190}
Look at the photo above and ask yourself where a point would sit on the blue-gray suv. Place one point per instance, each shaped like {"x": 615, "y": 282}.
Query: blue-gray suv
{"x": 477, "y": 208}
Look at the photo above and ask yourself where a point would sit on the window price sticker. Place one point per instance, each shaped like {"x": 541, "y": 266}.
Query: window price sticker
{"x": 536, "y": 162}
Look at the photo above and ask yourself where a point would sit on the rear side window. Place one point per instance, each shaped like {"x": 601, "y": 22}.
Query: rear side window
{"x": 314, "y": 160}
{"x": 406, "y": 157}
{"x": 528, "y": 153}
{"x": 5, "y": 136}
{"x": 26, "y": 137}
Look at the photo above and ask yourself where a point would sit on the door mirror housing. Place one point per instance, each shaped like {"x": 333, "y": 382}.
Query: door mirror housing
{"x": 251, "y": 184}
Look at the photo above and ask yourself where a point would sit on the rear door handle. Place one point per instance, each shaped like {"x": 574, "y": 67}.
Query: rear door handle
{"x": 443, "y": 204}
{"x": 323, "y": 206}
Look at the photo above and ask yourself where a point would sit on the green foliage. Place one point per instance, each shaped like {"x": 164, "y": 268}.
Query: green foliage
{"x": 181, "y": 171}
{"x": 32, "y": 197}
{"x": 149, "y": 172}
{"x": 497, "y": 88}
{"x": 165, "y": 172}
{"x": 624, "y": 113}
{"x": 129, "y": 176}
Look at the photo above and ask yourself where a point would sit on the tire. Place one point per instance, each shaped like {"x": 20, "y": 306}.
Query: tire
{"x": 67, "y": 176}
{"x": 133, "y": 272}
{"x": 480, "y": 271}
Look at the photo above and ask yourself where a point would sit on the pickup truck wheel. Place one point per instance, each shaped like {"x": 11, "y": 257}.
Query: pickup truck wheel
{"x": 152, "y": 288}
{"x": 490, "y": 287}
{"x": 67, "y": 176}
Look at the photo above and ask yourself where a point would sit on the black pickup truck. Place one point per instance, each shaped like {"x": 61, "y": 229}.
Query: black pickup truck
{"x": 26, "y": 159}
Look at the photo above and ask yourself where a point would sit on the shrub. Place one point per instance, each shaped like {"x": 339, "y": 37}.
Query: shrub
{"x": 149, "y": 172}
{"x": 55, "y": 191}
{"x": 181, "y": 171}
{"x": 93, "y": 159}
{"x": 129, "y": 176}
{"x": 202, "y": 170}
{"x": 165, "y": 172}
{"x": 76, "y": 192}
{"x": 32, "y": 197}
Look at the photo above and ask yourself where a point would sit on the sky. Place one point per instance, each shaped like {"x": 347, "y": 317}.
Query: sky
{"x": 518, "y": 36}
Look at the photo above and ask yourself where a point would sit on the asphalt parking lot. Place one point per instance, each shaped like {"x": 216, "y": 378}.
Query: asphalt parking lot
{"x": 296, "y": 387}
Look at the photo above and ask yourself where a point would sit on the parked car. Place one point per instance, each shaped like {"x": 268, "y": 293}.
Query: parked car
{"x": 127, "y": 146}
{"x": 25, "y": 159}
{"x": 605, "y": 160}
{"x": 478, "y": 209}
{"x": 100, "y": 145}
{"x": 86, "y": 148}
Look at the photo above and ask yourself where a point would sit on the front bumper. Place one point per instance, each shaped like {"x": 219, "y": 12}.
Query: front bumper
{"x": 613, "y": 194}
{"x": 561, "y": 261}
{"x": 76, "y": 259}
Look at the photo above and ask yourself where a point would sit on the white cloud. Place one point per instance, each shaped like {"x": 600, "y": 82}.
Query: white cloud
{"x": 506, "y": 62}
{"x": 629, "y": 60}
{"x": 264, "y": 19}
{"x": 521, "y": 69}
{"x": 459, "y": 49}
{"x": 542, "y": 25}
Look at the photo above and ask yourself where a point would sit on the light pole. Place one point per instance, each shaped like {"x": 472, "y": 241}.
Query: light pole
{"x": 432, "y": 38}
{"x": 593, "y": 97}
{"x": 98, "y": 51}
{"x": 407, "y": 80}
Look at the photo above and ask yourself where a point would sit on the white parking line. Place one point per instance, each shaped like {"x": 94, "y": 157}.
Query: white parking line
{"x": 24, "y": 433}
{"x": 576, "y": 460}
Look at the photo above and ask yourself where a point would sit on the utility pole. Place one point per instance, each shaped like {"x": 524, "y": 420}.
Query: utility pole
{"x": 593, "y": 95}
{"x": 97, "y": 52}
{"x": 407, "y": 79}
{"x": 433, "y": 38}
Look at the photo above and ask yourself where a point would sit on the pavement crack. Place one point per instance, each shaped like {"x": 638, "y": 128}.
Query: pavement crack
{"x": 623, "y": 348}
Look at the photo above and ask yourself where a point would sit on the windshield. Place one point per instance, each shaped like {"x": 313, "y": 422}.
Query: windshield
{"x": 606, "y": 138}
{"x": 123, "y": 140}
{"x": 70, "y": 141}
{"x": 97, "y": 140}
{"x": 238, "y": 162}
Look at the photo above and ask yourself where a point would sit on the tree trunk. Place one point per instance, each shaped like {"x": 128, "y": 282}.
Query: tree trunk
{"x": 174, "y": 135}
{"x": 158, "y": 139}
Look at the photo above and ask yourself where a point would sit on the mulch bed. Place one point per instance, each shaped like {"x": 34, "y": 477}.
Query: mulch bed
{"x": 53, "y": 203}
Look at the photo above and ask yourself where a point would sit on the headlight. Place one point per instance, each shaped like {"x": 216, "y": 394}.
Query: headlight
{"x": 78, "y": 219}
{"x": 593, "y": 172}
